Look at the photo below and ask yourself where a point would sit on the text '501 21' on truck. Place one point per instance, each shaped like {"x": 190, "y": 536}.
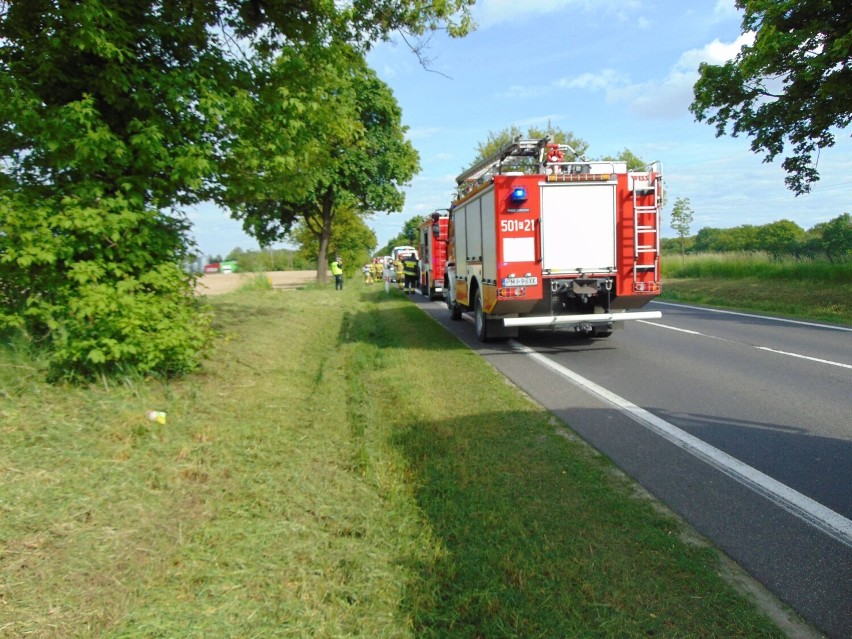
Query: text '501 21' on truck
{"x": 537, "y": 239}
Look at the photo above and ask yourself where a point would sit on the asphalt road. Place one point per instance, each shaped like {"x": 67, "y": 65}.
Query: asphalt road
{"x": 742, "y": 424}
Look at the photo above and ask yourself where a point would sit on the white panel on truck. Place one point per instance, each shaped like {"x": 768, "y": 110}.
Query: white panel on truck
{"x": 578, "y": 227}
{"x": 460, "y": 224}
{"x": 473, "y": 222}
{"x": 518, "y": 249}
{"x": 489, "y": 238}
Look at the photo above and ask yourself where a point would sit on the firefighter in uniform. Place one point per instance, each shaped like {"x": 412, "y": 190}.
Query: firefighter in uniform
{"x": 377, "y": 269}
{"x": 397, "y": 266}
{"x": 411, "y": 270}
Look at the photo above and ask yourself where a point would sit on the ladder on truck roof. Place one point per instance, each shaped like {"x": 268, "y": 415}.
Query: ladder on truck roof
{"x": 516, "y": 148}
{"x": 646, "y": 229}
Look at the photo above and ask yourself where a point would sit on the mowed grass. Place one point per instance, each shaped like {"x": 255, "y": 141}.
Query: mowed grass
{"x": 342, "y": 468}
{"x": 802, "y": 288}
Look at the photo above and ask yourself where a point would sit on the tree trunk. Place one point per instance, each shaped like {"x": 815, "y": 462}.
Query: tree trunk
{"x": 325, "y": 237}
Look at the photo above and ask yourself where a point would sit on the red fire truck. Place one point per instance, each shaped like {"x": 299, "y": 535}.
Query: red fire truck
{"x": 539, "y": 236}
{"x": 433, "y": 253}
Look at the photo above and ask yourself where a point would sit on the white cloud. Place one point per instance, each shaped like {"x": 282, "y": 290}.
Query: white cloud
{"x": 605, "y": 80}
{"x": 725, "y": 9}
{"x": 423, "y": 133}
{"x": 716, "y": 52}
{"x": 666, "y": 97}
{"x": 491, "y": 12}
{"x": 672, "y": 95}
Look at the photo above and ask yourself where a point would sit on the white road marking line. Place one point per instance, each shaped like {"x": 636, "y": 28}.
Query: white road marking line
{"x": 760, "y": 348}
{"x": 813, "y": 359}
{"x": 812, "y": 512}
{"x": 764, "y": 317}
{"x": 673, "y": 328}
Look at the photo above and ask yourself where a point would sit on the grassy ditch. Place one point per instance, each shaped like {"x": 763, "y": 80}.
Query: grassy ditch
{"x": 318, "y": 480}
{"x": 802, "y": 288}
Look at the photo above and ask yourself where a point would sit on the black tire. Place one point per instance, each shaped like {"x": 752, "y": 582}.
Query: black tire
{"x": 455, "y": 309}
{"x": 479, "y": 319}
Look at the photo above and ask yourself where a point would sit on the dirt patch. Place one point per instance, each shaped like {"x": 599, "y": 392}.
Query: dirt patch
{"x": 218, "y": 283}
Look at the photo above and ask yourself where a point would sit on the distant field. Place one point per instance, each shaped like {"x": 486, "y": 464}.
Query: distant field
{"x": 807, "y": 289}
{"x": 219, "y": 283}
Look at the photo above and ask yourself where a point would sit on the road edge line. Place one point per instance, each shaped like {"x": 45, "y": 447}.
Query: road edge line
{"x": 803, "y": 507}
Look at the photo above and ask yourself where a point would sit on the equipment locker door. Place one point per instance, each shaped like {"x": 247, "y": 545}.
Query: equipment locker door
{"x": 578, "y": 228}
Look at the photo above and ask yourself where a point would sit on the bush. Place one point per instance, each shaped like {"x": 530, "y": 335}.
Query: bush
{"x": 100, "y": 288}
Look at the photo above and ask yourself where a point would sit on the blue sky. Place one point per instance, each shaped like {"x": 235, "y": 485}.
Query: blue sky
{"x": 616, "y": 73}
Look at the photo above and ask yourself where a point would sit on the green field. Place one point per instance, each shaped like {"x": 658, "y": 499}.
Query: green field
{"x": 321, "y": 478}
{"x": 800, "y": 288}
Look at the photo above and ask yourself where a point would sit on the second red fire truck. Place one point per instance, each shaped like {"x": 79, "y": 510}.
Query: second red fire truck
{"x": 433, "y": 253}
{"x": 541, "y": 237}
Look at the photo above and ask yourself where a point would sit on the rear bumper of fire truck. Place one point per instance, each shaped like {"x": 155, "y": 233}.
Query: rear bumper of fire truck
{"x": 595, "y": 318}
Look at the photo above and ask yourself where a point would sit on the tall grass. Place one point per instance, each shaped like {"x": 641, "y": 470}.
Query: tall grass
{"x": 756, "y": 265}
{"x": 804, "y": 288}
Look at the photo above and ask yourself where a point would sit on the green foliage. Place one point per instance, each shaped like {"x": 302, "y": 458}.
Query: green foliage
{"x": 780, "y": 238}
{"x": 257, "y": 282}
{"x": 115, "y": 113}
{"x": 496, "y": 140}
{"x": 634, "y": 162}
{"x": 100, "y": 287}
{"x": 98, "y": 141}
{"x": 789, "y": 86}
{"x": 357, "y": 160}
{"x": 407, "y": 237}
{"x": 831, "y": 240}
{"x": 351, "y": 239}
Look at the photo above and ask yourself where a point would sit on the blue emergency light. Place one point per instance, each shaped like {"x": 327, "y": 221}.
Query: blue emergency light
{"x": 519, "y": 195}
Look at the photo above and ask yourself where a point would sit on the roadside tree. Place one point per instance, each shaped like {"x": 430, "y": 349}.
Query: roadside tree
{"x": 834, "y": 238}
{"x": 497, "y": 140}
{"x": 789, "y": 87}
{"x": 780, "y": 238}
{"x": 682, "y": 217}
{"x": 351, "y": 238}
{"x": 634, "y": 162}
{"x": 357, "y": 158}
{"x": 408, "y": 236}
{"x": 115, "y": 116}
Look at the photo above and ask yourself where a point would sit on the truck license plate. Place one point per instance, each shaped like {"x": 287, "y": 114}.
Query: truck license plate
{"x": 520, "y": 281}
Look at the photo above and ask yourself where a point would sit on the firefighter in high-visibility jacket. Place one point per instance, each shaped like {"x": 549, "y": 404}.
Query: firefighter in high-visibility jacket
{"x": 337, "y": 271}
{"x": 411, "y": 271}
